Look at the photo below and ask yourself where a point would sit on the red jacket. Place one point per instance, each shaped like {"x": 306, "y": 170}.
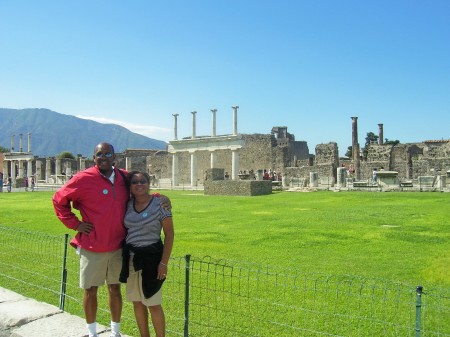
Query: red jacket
{"x": 100, "y": 203}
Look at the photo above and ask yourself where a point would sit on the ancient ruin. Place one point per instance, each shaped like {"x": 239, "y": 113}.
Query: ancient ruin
{"x": 196, "y": 162}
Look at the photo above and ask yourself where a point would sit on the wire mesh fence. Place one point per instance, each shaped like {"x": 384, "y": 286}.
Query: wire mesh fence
{"x": 208, "y": 297}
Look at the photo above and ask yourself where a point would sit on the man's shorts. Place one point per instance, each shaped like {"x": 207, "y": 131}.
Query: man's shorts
{"x": 134, "y": 289}
{"x": 96, "y": 268}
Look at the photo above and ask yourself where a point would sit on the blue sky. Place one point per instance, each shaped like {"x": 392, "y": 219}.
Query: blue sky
{"x": 307, "y": 65}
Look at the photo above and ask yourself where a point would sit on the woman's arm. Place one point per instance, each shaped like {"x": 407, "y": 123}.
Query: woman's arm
{"x": 169, "y": 235}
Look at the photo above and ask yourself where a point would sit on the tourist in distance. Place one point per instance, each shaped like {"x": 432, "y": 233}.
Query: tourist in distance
{"x": 374, "y": 175}
{"x": 146, "y": 257}
{"x": 100, "y": 194}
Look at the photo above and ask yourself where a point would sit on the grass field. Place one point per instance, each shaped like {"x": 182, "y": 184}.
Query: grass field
{"x": 403, "y": 237}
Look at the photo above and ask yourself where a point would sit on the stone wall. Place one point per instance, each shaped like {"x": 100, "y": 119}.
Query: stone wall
{"x": 238, "y": 187}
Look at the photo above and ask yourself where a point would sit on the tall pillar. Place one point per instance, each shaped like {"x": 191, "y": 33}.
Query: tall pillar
{"x": 48, "y": 170}
{"x": 174, "y": 169}
{"x": 12, "y": 142}
{"x": 355, "y": 148}
{"x": 234, "y": 164}
{"x": 20, "y": 162}
{"x": 235, "y": 119}
{"x": 213, "y": 159}
{"x": 29, "y": 168}
{"x": 193, "y": 123}
{"x": 57, "y": 167}
{"x": 29, "y": 142}
{"x": 13, "y": 170}
{"x": 213, "y": 123}
{"x": 354, "y": 136}
{"x": 6, "y": 169}
{"x": 38, "y": 172}
{"x": 175, "y": 126}
{"x": 380, "y": 134}
{"x": 82, "y": 164}
{"x": 193, "y": 169}
{"x": 128, "y": 163}
{"x": 20, "y": 142}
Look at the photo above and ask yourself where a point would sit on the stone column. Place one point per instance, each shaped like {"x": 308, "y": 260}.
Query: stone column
{"x": 20, "y": 162}
{"x": 82, "y": 164}
{"x": 213, "y": 159}
{"x": 13, "y": 170}
{"x": 68, "y": 169}
{"x": 29, "y": 168}
{"x": 213, "y": 123}
{"x": 29, "y": 142}
{"x": 355, "y": 147}
{"x": 38, "y": 172}
{"x": 127, "y": 163}
{"x": 341, "y": 177}
{"x": 235, "y": 119}
{"x": 48, "y": 170}
{"x": 57, "y": 167}
{"x": 313, "y": 179}
{"x": 193, "y": 168}
{"x": 175, "y": 126}
{"x": 20, "y": 142}
{"x": 174, "y": 169}
{"x": 6, "y": 169}
{"x": 194, "y": 113}
{"x": 354, "y": 136}
{"x": 235, "y": 164}
{"x": 380, "y": 134}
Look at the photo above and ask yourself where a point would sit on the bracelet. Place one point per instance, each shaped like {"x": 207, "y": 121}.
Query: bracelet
{"x": 163, "y": 264}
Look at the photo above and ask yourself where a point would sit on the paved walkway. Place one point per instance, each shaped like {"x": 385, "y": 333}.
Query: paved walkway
{"x": 24, "y": 317}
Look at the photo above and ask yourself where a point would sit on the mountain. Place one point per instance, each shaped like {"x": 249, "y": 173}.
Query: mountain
{"x": 52, "y": 133}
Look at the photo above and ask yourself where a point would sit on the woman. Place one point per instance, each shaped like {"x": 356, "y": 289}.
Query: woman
{"x": 145, "y": 257}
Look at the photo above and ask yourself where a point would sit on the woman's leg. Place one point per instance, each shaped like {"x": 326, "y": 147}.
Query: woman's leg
{"x": 158, "y": 320}
{"x": 141, "y": 314}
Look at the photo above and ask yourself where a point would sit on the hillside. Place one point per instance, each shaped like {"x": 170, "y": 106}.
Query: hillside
{"x": 53, "y": 132}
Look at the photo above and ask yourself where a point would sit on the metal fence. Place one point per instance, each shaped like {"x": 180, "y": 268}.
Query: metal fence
{"x": 208, "y": 297}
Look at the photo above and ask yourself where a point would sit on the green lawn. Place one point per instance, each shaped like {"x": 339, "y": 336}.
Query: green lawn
{"x": 402, "y": 237}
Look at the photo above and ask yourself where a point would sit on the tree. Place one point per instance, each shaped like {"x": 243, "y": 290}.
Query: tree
{"x": 370, "y": 139}
{"x": 65, "y": 155}
{"x": 3, "y": 149}
{"x": 349, "y": 152}
{"x": 391, "y": 142}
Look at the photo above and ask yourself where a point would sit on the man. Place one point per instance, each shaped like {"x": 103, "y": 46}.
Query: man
{"x": 100, "y": 193}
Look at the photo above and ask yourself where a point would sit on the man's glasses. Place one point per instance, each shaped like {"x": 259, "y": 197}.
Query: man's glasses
{"x": 142, "y": 182}
{"x": 104, "y": 155}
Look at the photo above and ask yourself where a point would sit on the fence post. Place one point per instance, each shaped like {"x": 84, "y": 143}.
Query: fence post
{"x": 186, "y": 297}
{"x": 419, "y": 291}
{"x": 62, "y": 293}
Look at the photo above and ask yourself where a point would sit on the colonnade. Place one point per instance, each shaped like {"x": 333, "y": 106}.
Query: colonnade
{"x": 212, "y": 143}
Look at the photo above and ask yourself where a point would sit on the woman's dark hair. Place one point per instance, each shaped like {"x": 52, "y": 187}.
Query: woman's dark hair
{"x": 133, "y": 173}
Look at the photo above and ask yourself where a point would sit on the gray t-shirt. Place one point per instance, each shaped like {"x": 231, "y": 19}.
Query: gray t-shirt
{"x": 144, "y": 228}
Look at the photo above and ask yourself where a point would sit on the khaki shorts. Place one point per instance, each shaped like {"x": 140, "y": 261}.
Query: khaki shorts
{"x": 96, "y": 268}
{"x": 134, "y": 289}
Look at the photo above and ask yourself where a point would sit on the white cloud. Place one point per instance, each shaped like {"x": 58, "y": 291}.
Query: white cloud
{"x": 154, "y": 132}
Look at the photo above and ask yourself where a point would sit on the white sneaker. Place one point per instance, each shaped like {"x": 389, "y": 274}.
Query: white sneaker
{"x": 116, "y": 335}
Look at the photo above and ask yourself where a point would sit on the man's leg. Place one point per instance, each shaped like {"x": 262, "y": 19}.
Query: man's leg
{"x": 158, "y": 320}
{"x": 115, "y": 302}
{"x": 90, "y": 304}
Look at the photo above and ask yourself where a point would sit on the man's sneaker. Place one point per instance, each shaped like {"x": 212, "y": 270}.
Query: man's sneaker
{"x": 116, "y": 335}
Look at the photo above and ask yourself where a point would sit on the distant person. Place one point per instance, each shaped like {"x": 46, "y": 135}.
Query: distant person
{"x": 9, "y": 184}
{"x": 146, "y": 257}
{"x": 26, "y": 184}
{"x": 100, "y": 194}
{"x": 1, "y": 182}
{"x": 32, "y": 184}
{"x": 374, "y": 175}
